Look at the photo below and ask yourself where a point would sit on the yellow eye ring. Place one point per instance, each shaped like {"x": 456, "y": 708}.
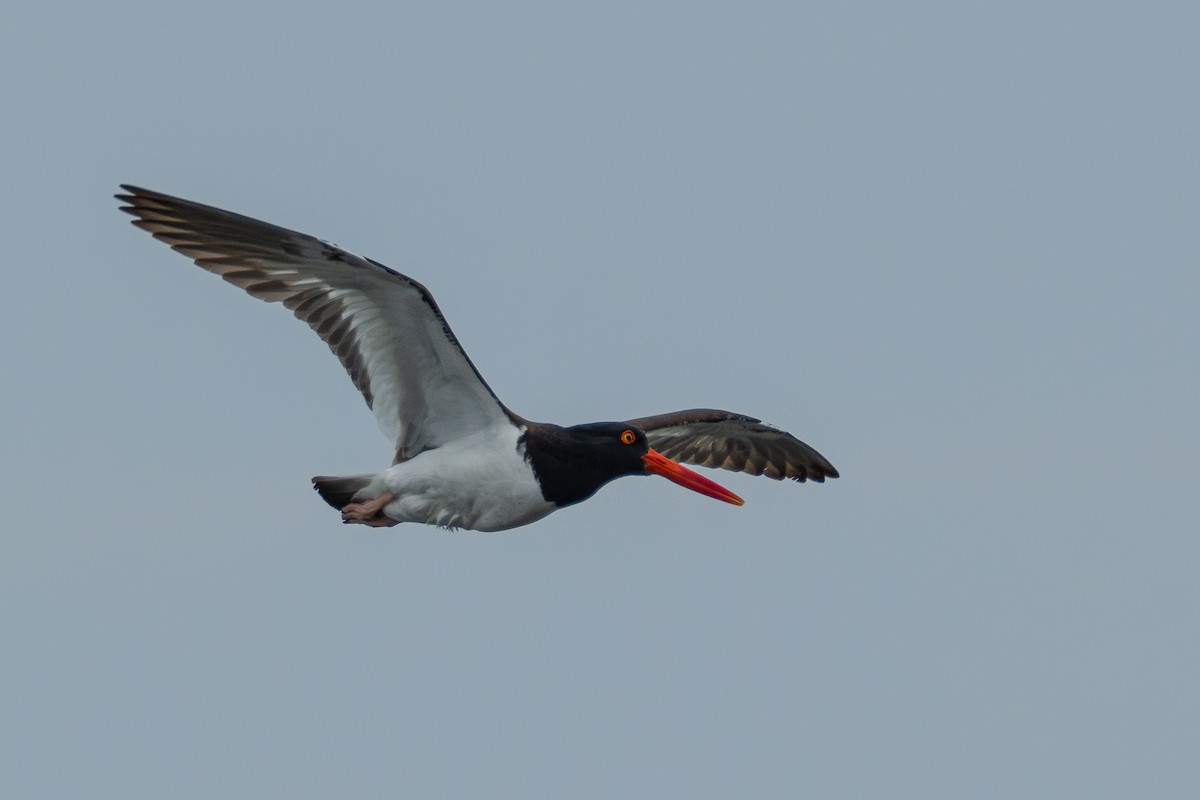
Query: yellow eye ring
{"x": 628, "y": 437}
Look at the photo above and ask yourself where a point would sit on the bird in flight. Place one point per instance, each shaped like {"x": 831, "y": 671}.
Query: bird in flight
{"x": 461, "y": 458}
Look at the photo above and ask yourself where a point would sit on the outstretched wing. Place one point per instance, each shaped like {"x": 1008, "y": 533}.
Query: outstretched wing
{"x": 385, "y": 327}
{"x": 710, "y": 438}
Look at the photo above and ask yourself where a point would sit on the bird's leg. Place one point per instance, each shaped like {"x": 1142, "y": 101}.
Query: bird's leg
{"x": 369, "y": 511}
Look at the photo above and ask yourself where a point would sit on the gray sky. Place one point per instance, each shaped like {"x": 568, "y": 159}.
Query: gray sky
{"x": 953, "y": 246}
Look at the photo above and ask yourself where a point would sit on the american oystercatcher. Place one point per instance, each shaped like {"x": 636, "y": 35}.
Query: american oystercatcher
{"x": 462, "y": 458}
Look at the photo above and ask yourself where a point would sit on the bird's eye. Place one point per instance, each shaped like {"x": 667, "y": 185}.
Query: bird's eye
{"x": 628, "y": 437}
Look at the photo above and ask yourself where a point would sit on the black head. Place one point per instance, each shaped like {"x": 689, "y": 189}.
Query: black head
{"x": 572, "y": 463}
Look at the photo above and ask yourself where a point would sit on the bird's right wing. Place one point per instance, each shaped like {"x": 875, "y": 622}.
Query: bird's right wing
{"x": 384, "y": 327}
{"x": 710, "y": 438}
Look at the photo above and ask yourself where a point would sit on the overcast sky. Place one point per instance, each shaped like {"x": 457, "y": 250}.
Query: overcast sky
{"x": 953, "y": 246}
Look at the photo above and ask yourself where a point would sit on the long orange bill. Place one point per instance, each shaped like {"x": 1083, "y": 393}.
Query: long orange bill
{"x": 661, "y": 465}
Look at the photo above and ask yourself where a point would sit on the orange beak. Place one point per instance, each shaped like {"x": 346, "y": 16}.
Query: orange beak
{"x": 661, "y": 465}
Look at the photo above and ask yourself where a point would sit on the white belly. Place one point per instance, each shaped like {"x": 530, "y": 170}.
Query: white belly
{"x": 480, "y": 482}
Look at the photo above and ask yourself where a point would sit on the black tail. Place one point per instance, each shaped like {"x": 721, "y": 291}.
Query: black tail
{"x": 340, "y": 491}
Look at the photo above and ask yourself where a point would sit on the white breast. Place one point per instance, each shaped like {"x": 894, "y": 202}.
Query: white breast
{"x": 480, "y": 482}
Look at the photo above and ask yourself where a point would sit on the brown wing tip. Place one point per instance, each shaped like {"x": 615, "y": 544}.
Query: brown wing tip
{"x": 816, "y": 477}
{"x": 137, "y": 201}
{"x": 128, "y": 201}
{"x": 132, "y": 193}
{"x": 817, "y": 473}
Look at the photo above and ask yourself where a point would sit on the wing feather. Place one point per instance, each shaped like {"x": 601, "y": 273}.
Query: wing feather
{"x": 384, "y": 327}
{"x": 711, "y": 438}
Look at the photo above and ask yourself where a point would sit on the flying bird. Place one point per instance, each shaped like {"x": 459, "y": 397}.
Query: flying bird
{"x": 461, "y": 459}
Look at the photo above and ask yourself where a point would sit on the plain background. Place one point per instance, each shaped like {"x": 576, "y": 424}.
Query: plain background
{"x": 954, "y": 246}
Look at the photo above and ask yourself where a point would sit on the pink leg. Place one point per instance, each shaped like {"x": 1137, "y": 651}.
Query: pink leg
{"x": 368, "y": 513}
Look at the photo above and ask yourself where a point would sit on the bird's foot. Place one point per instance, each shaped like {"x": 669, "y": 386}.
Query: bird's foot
{"x": 369, "y": 513}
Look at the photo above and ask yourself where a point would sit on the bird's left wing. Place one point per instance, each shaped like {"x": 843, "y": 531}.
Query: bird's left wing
{"x": 384, "y": 327}
{"x": 710, "y": 438}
